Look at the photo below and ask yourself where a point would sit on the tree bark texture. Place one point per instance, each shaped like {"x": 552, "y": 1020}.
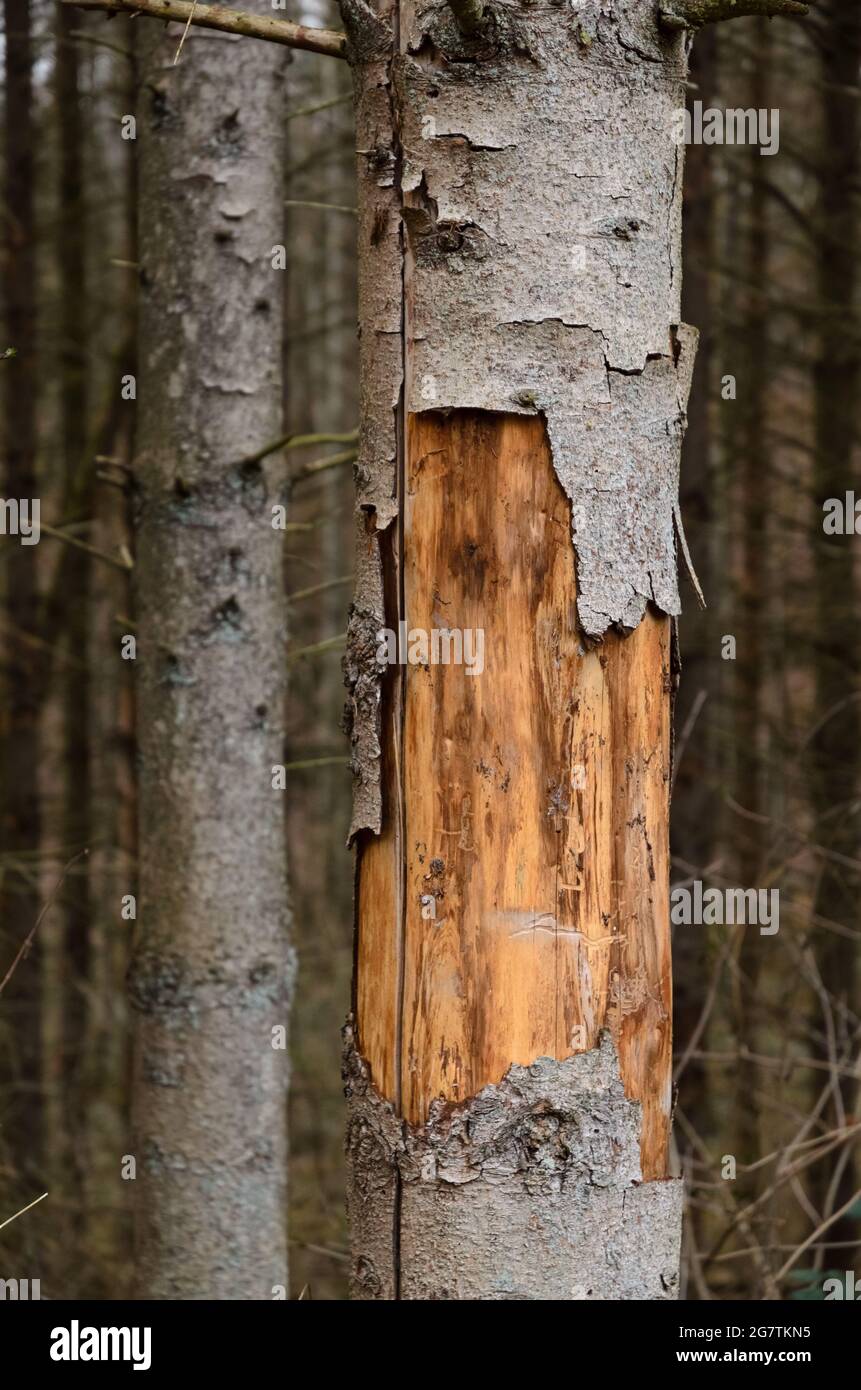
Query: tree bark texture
{"x": 212, "y": 974}
{"x": 524, "y": 384}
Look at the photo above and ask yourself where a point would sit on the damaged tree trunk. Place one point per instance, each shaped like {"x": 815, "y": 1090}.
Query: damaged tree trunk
{"x": 525, "y": 379}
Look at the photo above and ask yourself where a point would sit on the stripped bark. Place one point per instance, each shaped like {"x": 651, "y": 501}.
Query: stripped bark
{"x": 524, "y": 383}
{"x": 530, "y": 1190}
{"x": 212, "y": 972}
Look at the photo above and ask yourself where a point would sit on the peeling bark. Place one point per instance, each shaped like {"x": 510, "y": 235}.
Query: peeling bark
{"x": 519, "y": 237}
{"x": 529, "y": 1190}
{"x": 525, "y": 378}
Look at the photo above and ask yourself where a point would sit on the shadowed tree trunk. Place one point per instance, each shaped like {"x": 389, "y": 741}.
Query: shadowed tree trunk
{"x": 837, "y": 769}
{"x": 750, "y": 791}
{"x": 695, "y": 796}
{"x": 22, "y": 656}
{"x": 212, "y": 974}
{"x": 72, "y": 614}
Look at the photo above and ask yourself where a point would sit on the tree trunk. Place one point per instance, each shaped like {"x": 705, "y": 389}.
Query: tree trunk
{"x": 212, "y": 975}
{"x": 22, "y": 662}
{"x": 750, "y": 840}
{"x": 696, "y": 799}
{"x": 72, "y": 615}
{"x": 525, "y": 377}
{"x": 837, "y": 769}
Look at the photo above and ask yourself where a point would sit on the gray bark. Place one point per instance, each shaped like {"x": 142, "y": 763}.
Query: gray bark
{"x": 213, "y": 969}
{"x": 531, "y": 1190}
{"x": 519, "y": 246}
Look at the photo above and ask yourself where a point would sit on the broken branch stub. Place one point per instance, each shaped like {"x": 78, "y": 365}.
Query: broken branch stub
{"x": 693, "y": 14}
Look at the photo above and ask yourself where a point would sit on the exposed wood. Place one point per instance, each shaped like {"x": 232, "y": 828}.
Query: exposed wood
{"x": 517, "y": 474}
{"x": 535, "y": 801}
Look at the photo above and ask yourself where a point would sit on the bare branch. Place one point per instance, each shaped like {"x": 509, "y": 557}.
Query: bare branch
{"x": 34, "y": 1203}
{"x": 28, "y": 939}
{"x": 120, "y": 563}
{"x": 310, "y": 470}
{"x": 329, "y": 644}
{"x": 295, "y": 441}
{"x": 693, "y": 14}
{"x": 251, "y": 26}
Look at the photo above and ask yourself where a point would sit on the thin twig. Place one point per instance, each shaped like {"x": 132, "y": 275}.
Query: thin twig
{"x": 692, "y": 14}
{"x": 330, "y": 644}
{"x": 184, "y": 32}
{"x": 29, "y": 1207}
{"x": 319, "y": 588}
{"x": 315, "y": 762}
{"x": 310, "y": 470}
{"x": 693, "y": 716}
{"x": 835, "y": 1216}
{"x": 325, "y": 207}
{"x": 28, "y": 939}
{"x": 123, "y": 565}
{"x": 295, "y": 441}
{"x": 318, "y": 106}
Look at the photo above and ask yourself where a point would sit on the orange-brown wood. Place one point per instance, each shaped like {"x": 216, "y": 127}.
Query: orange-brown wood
{"x": 526, "y": 807}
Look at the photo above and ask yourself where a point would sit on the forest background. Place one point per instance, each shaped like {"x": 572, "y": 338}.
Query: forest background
{"x": 768, "y": 727}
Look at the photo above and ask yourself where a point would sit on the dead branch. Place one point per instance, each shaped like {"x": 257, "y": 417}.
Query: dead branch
{"x": 251, "y": 26}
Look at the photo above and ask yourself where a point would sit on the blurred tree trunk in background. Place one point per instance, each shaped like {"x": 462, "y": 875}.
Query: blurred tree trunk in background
{"x": 753, "y": 464}
{"x": 322, "y": 391}
{"x": 212, "y": 975}
{"x": 110, "y": 729}
{"x": 836, "y": 744}
{"x": 71, "y": 615}
{"x": 23, "y": 654}
{"x": 694, "y": 835}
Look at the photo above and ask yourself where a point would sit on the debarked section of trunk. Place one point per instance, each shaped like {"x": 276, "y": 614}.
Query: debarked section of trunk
{"x": 531, "y": 1189}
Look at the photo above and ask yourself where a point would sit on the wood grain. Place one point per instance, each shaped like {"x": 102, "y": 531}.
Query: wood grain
{"x": 529, "y": 803}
